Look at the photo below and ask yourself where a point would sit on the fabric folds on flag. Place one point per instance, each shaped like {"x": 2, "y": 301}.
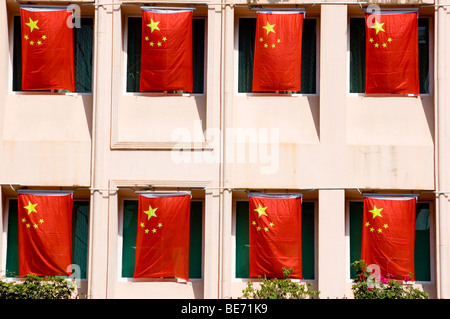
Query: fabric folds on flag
{"x": 275, "y": 234}
{"x": 392, "y": 53}
{"x": 166, "y": 54}
{"x": 47, "y": 49}
{"x": 45, "y": 233}
{"x": 278, "y": 51}
{"x": 388, "y": 235}
{"x": 162, "y": 240}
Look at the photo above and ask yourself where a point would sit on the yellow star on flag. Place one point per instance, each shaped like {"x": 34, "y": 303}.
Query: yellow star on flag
{"x": 32, "y": 24}
{"x": 153, "y": 25}
{"x": 378, "y": 26}
{"x": 151, "y": 212}
{"x": 31, "y": 208}
{"x": 261, "y": 210}
{"x": 376, "y": 212}
{"x": 269, "y": 27}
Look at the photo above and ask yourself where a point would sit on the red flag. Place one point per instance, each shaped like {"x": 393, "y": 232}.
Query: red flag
{"x": 166, "y": 54}
{"x": 275, "y": 235}
{"x": 392, "y": 53}
{"x": 45, "y": 233}
{"x": 162, "y": 240}
{"x": 278, "y": 51}
{"x": 388, "y": 235}
{"x": 47, "y": 49}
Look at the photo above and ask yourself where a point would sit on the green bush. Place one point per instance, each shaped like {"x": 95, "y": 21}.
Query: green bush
{"x": 364, "y": 287}
{"x": 35, "y": 287}
{"x": 279, "y": 289}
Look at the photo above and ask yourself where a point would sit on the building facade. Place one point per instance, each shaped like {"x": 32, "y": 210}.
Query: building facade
{"x": 331, "y": 142}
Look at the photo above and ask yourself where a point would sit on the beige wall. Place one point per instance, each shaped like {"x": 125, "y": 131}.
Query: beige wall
{"x": 332, "y": 141}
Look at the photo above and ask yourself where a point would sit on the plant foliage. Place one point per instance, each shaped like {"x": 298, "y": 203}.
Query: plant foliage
{"x": 366, "y": 287}
{"x": 35, "y": 287}
{"x": 279, "y": 289}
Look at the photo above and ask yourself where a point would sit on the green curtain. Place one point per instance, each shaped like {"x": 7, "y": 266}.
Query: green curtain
{"x": 247, "y": 30}
{"x": 80, "y": 229}
{"x": 422, "y": 239}
{"x": 242, "y": 240}
{"x": 358, "y": 55}
{"x": 130, "y": 217}
{"x": 134, "y": 54}
{"x": 83, "y": 40}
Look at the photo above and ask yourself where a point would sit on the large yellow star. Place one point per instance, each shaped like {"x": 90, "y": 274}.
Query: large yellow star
{"x": 153, "y": 25}
{"x": 378, "y": 26}
{"x": 261, "y": 210}
{"x": 32, "y": 24}
{"x": 31, "y": 208}
{"x": 376, "y": 211}
{"x": 151, "y": 212}
{"x": 269, "y": 27}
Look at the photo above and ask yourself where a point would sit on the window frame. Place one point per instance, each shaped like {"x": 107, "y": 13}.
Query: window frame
{"x": 267, "y": 94}
{"x": 160, "y": 93}
{"x": 235, "y": 279}
{"x": 432, "y": 248}
{"x": 430, "y": 62}
{"x": 120, "y": 278}
{"x": 52, "y": 92}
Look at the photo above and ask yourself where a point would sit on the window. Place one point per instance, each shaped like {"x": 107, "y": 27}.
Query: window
{"x": 82, "y": 38}
{"x": 242, "y": 240}
{"x": 422, "y": 239}
{"x": 80, "y": 227}
{"x": 247, "y": 29}
{"x": 358, "y": 55}
{"x": 130, "y": 217}
{"x": 134, "y": 54}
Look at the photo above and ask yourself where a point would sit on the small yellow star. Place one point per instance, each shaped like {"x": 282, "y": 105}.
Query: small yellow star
{"x": 376, "y": 45}
{"x": 279, "y": 40}
{"x": 23, "y": 220}
{"x": 258, "y": 228}
{"x": 271, "y": 224}
{"x": 151, "y": 43}
{"x": 154, "y": 230}
{"x": 273, "y": 45}
{"x": 25, "y": 37}
{"x": 371, "y": 40}
{"x": 269, "y": 27}
{"x": 260, "y": 39}
{"x": 142, "y": 225}
{"x": 384, "y": 45}
{"x": 367, "y": 224}
{"x": 31, "y": 208}
{"x": 28, "y": 225}
{"x": 41, "y": 221}
{"x": 159, "y": 44}
{"x": 371, "y": 229}
{"x": 146, "y": 231}
{"x": 253, "y": 223}
{"x": 35, "y": 226}
{"x": 261, "y": 210}
{"x": 164, "y": 39}
{"x": 44, "y": 37}
{"x": 380, "y": 230}
{"x": 266, "y": 229}
{"x": 266, "y": 45}
{"x": 389, "y": 40}
{"x": 146, "y": 38}
{"x": 385, "y": 226}
{"x": 31, "y": 42}
{"x": 160, "y": 225}
{"x": 39, "y": 42}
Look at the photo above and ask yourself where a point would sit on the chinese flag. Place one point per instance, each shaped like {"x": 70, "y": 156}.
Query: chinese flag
{"x": 166, "y": 54}
{"x": 47, "y": 49}
{"x": 162, "y": 240}
{"x": 392, "y": 53}
{"x": 278, "y": 51}
{"x": 45, "y": 233}
{"x": 275, "y": 235}
{"x": 388, "y": 235}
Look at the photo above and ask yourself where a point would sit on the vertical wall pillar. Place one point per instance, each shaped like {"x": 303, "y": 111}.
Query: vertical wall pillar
{"x": 102, "y": 66}
{"x": 333, "y": 79}
{"x": 442, "y": 150}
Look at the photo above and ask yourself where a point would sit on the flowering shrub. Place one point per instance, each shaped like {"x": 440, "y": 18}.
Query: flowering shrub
{"x": 365, "y": 287}
{"x": 279, "y": 289}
